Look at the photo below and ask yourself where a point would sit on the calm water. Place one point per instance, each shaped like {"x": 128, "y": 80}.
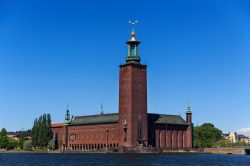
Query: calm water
{"x": 122, "y": 159}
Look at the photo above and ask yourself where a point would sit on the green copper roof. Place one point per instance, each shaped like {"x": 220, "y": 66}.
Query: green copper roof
{"x": 189, "y": 110}
{"x": 166, "y": 119}
{"x": 113, "y": 118}
{"x": 95, "y": 119}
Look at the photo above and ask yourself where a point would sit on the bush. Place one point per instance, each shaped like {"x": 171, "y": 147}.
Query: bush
{"x": 12, "y": 143}
{"x": 51, "y": 144}
{"x": 223, "y": 143}
{"x": 27, "y": 145}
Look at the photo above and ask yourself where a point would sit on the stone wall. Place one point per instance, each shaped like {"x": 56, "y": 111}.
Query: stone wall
{"x": 225, "y": 150}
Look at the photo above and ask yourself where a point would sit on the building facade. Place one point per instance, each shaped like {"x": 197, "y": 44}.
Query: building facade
{"x": 233, "y": 137}
{"x": 132, "y": 126}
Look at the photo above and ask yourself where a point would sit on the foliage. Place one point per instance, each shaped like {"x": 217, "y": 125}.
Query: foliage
{"x": 23, "y": 136}
{"x": 25, "y": 133}
{"x": 51, "y": 144}
{"x": 27, "y": 145}
{"x": 223, "y": 143}
{"x": 3, "y": 139}
{"x": 3, "y": 132}
{"x": 227, "y": 143}
{"x": 41, "y": 132}
{"x": 12, "y": 143}
{"x": 21, "y": 140}
{"x": 206, "y": 135}
{"x": 241, "y": 143}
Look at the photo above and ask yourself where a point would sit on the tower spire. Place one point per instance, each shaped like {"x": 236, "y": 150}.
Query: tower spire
{"x": 133, "y": 44}
{"x": 189, "y": 107}
{"x": 189, "y": 114}
{"x": 102, "y": 112}
{"x": 133, "y": 29}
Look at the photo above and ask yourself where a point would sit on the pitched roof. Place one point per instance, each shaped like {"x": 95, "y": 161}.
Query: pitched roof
{"x": 95, "y": 119}
{"x": 57, "y": 125}
{"x": 113, "y": 118}
{"x": 166, "y": 119}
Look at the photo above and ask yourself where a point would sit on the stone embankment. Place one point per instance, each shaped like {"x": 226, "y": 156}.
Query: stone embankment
{"x": 226, "y": 150}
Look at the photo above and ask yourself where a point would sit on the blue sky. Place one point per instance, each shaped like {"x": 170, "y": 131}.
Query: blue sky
{"x": 68, "y": 52}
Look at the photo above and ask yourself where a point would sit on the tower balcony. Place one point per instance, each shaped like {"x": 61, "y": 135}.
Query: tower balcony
{"x": 133, "y": 59}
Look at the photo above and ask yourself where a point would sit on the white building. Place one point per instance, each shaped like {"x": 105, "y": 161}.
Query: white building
{"x": 232, "y": 136}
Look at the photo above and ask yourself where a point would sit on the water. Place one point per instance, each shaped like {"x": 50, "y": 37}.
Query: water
{"x": 73, "y": 159}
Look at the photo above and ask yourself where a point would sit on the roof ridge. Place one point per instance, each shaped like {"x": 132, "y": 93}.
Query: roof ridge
{"x": 164, "y": 114}
{"x": 97, "y": 115}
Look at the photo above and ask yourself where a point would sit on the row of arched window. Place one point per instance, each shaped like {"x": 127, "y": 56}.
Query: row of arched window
{"x": 93, "y": 147}
{"x": 73, "y": 136}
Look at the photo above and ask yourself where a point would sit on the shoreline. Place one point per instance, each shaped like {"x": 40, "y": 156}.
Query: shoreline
{"x": 78, "y": 152}
{"x": 238, "y": 151}
{"x": 107, "y": 152}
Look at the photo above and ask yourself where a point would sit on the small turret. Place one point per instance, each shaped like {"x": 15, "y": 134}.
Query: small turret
{"x": 67, "y": 117}
{"x": 189, "y": 115}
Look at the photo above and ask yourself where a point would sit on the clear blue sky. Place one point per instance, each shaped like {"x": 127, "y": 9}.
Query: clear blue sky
{"x": 54, "y": 53}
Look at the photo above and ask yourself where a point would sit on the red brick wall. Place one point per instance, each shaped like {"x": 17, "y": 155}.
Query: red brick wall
{"x": 163, "y": 138}
{"x": 58, "y": 133}
{"x": 133, "y": 103}
{"x": 180, "y": 139}
{"x": 89, "y": 135}
{"x": 168, "y": 139}
{"x": 157, "y": 138}
{"x": 189, "y": 134}
{"x": 160, "y": 135}
{"x": 170, "y": 136}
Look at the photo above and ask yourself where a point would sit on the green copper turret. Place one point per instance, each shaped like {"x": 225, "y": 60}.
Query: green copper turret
{"x": 189, "y": 115}
{"x": 133, "y": 44}
{"x": 189, "y": 109}
{"x": 67, "y": 117}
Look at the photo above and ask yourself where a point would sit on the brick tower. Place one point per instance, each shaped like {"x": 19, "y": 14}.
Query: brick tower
{"x": 189, "y": 141}
{"x": 133, "y": 98}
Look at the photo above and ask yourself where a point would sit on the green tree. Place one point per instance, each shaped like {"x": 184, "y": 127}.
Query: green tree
{"x": 41, "y": 131}
{"x": 3, "y": 139}
{"x": 34, "y": 133}
{"x": 12, "y": 143}
{"x": 21, "y": 140}
{"x": 206, "y": 135}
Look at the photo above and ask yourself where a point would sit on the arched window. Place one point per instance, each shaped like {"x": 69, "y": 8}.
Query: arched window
{"x": 72, "y": 137}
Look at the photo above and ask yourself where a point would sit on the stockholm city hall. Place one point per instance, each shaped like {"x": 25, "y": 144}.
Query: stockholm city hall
{"x": 132, "y": 127}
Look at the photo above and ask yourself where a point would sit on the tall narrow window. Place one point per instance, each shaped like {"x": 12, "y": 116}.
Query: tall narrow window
{"x": 177, "y": 139}
{"x": 171, "y": 139}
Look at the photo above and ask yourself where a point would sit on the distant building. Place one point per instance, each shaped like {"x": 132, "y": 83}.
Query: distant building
{"x": 234, "y": 137}
{"x": 16, "y": 136}
{"x": 132, "y": 126}
{"x": 13, "y": 135}
{"x": 243, "y": 138}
